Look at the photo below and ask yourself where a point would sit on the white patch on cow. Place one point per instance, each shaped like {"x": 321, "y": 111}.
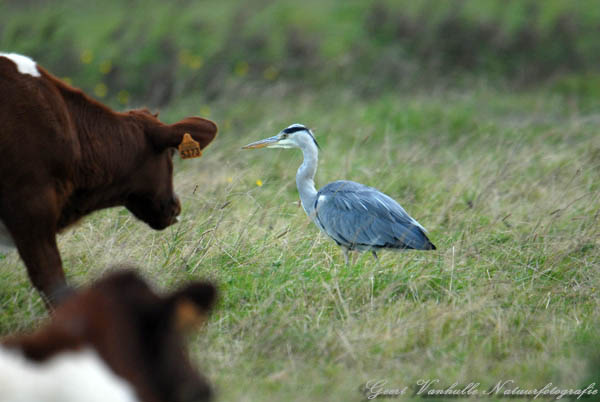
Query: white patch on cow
{"x": 6, "y": 240}
{"x": 67, "y": 377}
{"x": 24, "y": 64}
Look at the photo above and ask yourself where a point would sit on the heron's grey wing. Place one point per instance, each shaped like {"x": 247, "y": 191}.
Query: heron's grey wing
{"x": 358, "y": 216}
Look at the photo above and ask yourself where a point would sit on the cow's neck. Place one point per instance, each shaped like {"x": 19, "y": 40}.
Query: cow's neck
{"x": 109, "y": 145}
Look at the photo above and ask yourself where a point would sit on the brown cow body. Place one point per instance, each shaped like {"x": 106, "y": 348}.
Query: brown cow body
{"x": 63, "y": 155}
{"x": 117, "y": 340}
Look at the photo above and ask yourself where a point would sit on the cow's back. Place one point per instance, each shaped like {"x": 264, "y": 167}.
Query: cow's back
{"x": 38, "y": 144}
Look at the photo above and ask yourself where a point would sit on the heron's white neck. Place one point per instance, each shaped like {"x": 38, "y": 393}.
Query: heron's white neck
{"x": 305, "y": 177}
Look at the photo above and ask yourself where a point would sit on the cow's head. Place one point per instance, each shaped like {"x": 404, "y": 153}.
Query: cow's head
{"x": 136, "y": 332}
{"x": 151, "y": 196}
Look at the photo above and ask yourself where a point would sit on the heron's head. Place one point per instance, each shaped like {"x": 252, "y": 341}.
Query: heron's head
{"x": 294, "y": 136}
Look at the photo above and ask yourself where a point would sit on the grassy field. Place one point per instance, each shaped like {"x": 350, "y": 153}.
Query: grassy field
{"x": 505, "y": 177}
{"x": 508, "y": 185}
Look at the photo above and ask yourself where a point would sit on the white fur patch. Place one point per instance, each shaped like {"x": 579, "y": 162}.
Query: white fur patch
{"x": 67, "y": 377}
{"x": 6, "y": 241}
{"x": 24, "y": 64}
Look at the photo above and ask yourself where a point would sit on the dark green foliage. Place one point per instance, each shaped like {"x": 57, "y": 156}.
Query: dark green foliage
{"x": 153, "y": 52}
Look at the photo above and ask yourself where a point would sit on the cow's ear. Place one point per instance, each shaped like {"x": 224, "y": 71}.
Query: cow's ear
{"x": 192, "y": 304}
{"x": 170, "y": 136}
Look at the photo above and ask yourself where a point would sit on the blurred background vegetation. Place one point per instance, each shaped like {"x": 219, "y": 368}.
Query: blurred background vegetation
{"x": 132, "y": 52}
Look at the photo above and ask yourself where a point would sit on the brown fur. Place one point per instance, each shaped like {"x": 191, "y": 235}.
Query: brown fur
{"x": 64, "y": 155}
{"x": 134, "y": 330}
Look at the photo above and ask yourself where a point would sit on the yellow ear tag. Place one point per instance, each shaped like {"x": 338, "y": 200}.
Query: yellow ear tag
{"x": 189, "y": 148}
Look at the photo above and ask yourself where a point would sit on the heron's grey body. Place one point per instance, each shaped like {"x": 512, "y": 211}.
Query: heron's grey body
{"x": 362, "y": 218}
{"x": 355, "y": 216}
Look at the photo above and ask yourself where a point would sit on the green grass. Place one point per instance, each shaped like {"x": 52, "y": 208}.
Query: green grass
{"x": 481, "y": 119}
{"x": 508, "y": 185}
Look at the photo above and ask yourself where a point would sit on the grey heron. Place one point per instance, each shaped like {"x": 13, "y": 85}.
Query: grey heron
{"x": 355, "y": 216}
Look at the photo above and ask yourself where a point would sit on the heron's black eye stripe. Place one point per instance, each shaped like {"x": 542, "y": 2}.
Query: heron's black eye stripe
{"x": 294, "y": 129}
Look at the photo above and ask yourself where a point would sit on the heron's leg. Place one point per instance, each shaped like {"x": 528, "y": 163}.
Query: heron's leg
{"x": 374, "y": 254}
{"x": 345, "y": 250}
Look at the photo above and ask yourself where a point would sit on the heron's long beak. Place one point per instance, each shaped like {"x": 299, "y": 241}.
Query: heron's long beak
{"x": 262, "y": 143}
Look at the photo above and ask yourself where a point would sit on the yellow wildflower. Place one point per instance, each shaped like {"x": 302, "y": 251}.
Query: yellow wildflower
{"x": 105, "y": 67}
{"x": 241, "y": 69}
{"x": 86, "y": 57}
{"x": 270, "y": 73}
{"x": 123, "y": 97}
{"x": 100, "y": 90}
{"x": 205, "y": 111}
{"x": 195, "y": 62}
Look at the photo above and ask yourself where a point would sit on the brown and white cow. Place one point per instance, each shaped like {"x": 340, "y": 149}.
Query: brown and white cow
{"x": 116, "y": 341}
{"x": 64, "y": 155}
